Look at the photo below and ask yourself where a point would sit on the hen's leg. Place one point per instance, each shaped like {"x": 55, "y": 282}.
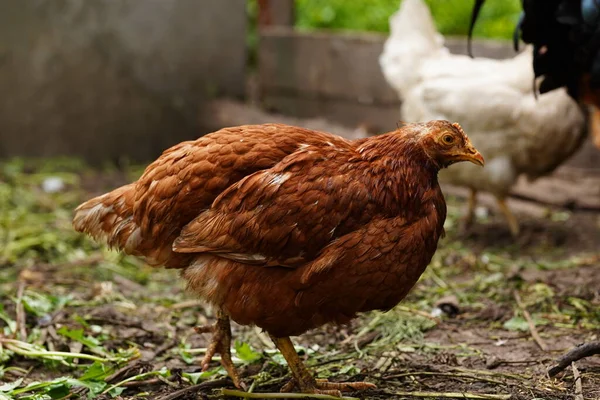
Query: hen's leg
{"x": 513, "y": 224}
{"x": 303, "y": 379}
{"x": 220, "y": 343}
{"x": 467, "y": 219}
{"x": 595, "y": 125}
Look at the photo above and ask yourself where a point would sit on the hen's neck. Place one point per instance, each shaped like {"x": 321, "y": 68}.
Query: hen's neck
{"x": 402, "y": 178}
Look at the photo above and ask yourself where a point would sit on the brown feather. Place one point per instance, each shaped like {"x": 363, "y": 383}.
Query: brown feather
{"x": 345, "y": 226}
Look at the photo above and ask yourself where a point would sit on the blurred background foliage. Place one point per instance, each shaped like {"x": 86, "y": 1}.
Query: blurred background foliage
{"x": 452, "y": 17}
{"x": 497, "y": 19}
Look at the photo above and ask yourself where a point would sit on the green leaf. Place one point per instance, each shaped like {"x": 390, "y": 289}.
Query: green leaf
{"x": 59, "y": 391}
{"x": 43, "y": 387}
{"x": 77, "y": 335}
{"x": 278, "y": 359}
{"x": 96, "y": 372}
{"x": 516, "y": 324}
{"x": 8, "y": 387}
{"x": 79, "y": 319}
{"x": 348, "y": 369}
{"x": 94, "y": 387}
{"x": 12, "y": 324}
{"x": 195, "y": 377}
{"x": 116, "y": 391}
{"x": 40, "y": 304}
{"x": 187, "y": 357}
{"x": 245, "y": 353}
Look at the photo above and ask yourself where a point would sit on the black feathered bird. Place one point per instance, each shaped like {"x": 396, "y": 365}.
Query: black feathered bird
{"x": 565, "y": 35}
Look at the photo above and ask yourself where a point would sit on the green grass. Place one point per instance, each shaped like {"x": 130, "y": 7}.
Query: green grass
{"x": 497, "y": 18}
{"x": 72, "y": 313}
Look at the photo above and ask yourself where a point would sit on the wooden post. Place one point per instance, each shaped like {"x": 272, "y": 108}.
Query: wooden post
{"x": 276, "y": 13}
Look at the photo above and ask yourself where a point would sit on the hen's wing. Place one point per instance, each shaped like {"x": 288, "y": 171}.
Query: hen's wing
{"x": 145, "y": 217}
{"x": 284, "y": 215}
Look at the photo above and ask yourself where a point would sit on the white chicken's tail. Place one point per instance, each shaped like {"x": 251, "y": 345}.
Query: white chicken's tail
{"x": 413, "y": 37}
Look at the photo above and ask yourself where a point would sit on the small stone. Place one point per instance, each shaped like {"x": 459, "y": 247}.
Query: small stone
{"x": 53, "y": 184}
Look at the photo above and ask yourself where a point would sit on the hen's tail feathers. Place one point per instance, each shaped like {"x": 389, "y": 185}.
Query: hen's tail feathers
{"x": 109, "y": 219}
{"x": 414, "y": 18}
{"x": 413, "y": 38}
{"x": 474, "y": 15}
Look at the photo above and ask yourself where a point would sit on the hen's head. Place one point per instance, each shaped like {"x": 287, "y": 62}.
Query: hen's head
{"x": 446, "y": 144}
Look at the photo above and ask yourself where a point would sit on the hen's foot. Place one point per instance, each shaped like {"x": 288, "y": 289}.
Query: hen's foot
{"x": 303, "y": 379}
{"x": 323, "y": 386}
{"x": 220, "y": 343}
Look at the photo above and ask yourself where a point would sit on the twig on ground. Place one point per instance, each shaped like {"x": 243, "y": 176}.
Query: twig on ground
{"x": 140, "y": 366}
{"x": 127, "y": 284}
{"x": 21, "y": 329}
{"x": 168, "y": 381}
{"x": 454, "y": 395}
{"x": 490, "y": 373}
{"x": 329, "y": 361}
{"x": 164, "y": 347}
{"x": 447, "y": 374}
{"x": 239, "y": 393}
{"x": 91, "y": 260}
{"x": 419, "y": 313}
{"x": 188, "y": 304}
{"x": 27, "y": 350}
{"x": 578, "y": 385}
{"x": 135, "y": 378}
{"x": 532, "y": 329}
{"x": 152, "y": 381}
{"x": 581, "y": 351}
{"x": 204, "y": 385}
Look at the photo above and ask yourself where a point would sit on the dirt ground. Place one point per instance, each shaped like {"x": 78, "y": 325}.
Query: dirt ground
{"x": 463, "y": 332}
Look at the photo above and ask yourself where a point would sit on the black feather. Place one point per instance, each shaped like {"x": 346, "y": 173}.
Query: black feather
{"x": 565, "y": 35}
{"x": 517, "y": 32}
{"x": 474, "y": 15}
{"x": 566, "y": 39}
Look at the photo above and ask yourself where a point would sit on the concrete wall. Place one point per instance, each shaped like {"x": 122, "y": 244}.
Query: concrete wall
{"x": 110, "y": 78}
{"x": 327, "y": 75}
{"x": 337, "y": 75}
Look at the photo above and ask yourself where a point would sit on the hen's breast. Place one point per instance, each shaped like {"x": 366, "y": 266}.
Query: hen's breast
{"x": 373, "y": 267}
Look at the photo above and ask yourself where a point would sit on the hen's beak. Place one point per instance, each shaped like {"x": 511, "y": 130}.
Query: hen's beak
{"x": 470, "y": 154}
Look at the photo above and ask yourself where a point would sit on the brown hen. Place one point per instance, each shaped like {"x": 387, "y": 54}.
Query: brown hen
{"x": 287, "y": 228}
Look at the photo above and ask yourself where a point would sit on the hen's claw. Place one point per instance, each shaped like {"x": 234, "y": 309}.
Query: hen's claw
{"x": 220, "y": 343}
{"x": 303, "y": 380}
{"x": 323, "y": 386}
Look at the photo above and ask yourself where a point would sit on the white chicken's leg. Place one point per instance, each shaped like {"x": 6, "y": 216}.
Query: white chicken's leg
{"x": 467, "y": 219}
{"x": 513, "y": 224}
{"x": 220, "y": 343}
{"x": 595, "y": 125}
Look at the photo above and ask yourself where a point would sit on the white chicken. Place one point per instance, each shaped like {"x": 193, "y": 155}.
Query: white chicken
{"x": 492, "y": 99}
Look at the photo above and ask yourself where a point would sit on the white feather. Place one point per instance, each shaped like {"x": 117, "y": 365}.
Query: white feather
{"x": 492, "y": 100}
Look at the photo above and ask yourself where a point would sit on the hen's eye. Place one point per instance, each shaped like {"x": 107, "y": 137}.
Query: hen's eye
{"x": 448, "y": 139}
